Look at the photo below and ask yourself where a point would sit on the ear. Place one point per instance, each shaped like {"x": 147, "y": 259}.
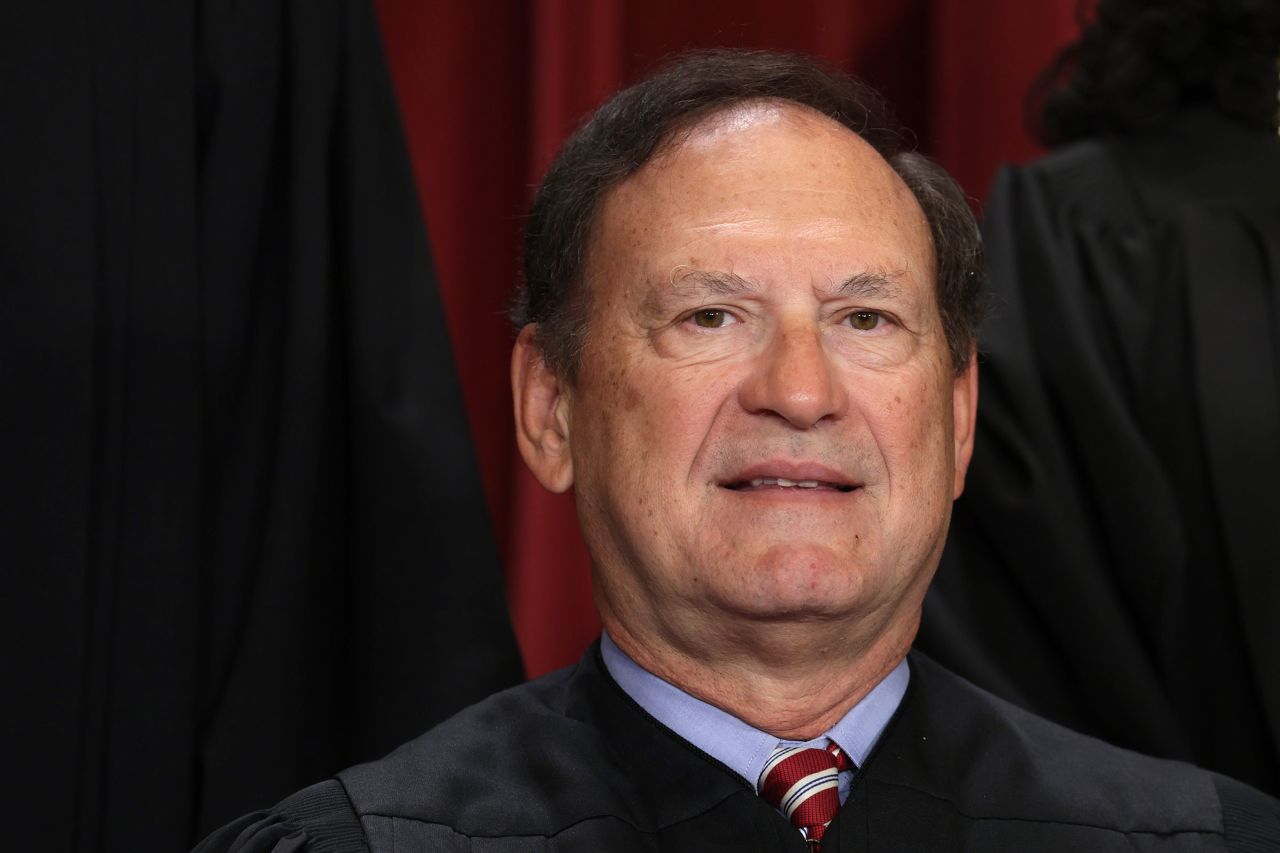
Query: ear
{"x": 964, "y": 404}
{"x": 542, "y": 414}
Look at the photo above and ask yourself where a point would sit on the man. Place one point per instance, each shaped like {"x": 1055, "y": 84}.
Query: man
{"x": 747, "y": 344}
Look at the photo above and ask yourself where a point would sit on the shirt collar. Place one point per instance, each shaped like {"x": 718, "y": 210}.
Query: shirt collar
{"x": 735, "y": 744}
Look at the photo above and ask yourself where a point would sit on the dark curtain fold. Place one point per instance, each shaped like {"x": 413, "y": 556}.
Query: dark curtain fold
{"x": 244, "y": 536}
{"x": 1113, "y": 563}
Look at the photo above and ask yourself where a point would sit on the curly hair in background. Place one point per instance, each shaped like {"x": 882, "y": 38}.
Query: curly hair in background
{"x": 1139, "y": 61}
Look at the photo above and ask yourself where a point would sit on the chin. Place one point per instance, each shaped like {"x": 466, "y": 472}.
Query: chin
{"x": 789, "y": 582}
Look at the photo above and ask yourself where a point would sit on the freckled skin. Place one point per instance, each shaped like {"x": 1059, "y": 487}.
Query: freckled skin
{"x": 782, "y": 607}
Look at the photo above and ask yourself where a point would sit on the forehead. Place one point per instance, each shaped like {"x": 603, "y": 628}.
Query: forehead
{"x": 774, "y": 175}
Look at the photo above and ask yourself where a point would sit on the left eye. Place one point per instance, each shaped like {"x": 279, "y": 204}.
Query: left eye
{"x": 864, "y": 321}
{"x": 711, "y": 318}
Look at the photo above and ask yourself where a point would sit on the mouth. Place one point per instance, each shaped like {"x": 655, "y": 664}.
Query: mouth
{"x": 760, "y": 483}
{"x": 791, "y": 476}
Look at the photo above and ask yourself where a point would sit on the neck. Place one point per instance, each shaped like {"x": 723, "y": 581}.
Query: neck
{"x": 794, "y": 681}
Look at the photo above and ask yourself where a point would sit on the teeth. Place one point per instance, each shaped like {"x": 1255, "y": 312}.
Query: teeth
{"x": 784, "y": 482}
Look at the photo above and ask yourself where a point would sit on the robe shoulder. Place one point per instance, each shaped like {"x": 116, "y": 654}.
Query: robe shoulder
{"x": 1251, "y": 819}
{"x": 992, "y": 762}
{"x": 318, "y": 819}
{"x": 568, "y": 762}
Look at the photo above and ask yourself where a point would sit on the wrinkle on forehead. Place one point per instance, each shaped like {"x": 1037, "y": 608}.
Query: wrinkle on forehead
{"x": 762, "y": 171}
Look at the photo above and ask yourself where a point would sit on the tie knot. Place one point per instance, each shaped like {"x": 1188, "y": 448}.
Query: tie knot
{"x": 803, "y": 783}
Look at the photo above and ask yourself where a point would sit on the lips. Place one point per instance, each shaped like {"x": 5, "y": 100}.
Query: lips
{"x": 784, "y": 483}
{"x": 797, "y": 476}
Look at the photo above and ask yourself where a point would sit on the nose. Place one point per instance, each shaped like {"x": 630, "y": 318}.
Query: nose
{"x": 795, "y": 379}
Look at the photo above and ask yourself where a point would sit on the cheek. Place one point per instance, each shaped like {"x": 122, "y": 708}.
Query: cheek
{"x": 912, "y": 425}
{"x": 669, "y": 400}
{"x": 643, "y": 423}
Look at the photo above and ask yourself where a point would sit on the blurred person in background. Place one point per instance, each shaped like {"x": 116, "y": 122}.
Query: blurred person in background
{"x": 1115, "y": 564}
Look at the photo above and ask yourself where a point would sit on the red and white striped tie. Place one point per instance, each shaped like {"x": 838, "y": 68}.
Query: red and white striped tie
{"x": 803, "y": 783}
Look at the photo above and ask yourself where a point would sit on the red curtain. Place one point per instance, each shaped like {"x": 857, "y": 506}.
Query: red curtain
{"x": 489, "y": 91}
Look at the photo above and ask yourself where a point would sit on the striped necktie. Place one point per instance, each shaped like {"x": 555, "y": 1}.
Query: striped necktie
{"x": 803, "y": 783}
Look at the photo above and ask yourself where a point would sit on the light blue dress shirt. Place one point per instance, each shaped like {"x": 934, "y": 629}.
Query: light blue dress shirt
{"x": 735, "y": 744}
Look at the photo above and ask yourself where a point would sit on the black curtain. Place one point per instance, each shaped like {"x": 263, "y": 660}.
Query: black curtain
{"x": 1115, "y": 561}
{"x": 242, "y": 531}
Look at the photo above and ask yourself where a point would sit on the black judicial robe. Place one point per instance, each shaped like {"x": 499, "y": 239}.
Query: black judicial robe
{"x": 570, "y": 763}
{"x": 1114, "y": 563}
{"x": 242, "y": 538}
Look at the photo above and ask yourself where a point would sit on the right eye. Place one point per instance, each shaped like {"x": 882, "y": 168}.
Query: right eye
{"x": 711, "y": 318}
{"x": 864, "y": 321}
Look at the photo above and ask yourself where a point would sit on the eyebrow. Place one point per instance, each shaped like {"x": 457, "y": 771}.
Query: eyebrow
{"x": 871, "y": 285}
{"x": 711, "y": 282}
{"x": 690, "y": 282}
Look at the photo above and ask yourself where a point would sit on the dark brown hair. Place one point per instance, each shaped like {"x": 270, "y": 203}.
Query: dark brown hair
{"x": 634, "y": 125}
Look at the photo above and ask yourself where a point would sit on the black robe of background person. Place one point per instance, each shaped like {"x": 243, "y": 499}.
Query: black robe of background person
{"x": 241, "y": 528}
{"x": 570, "y": 763}
{"x": 1114, "y": 563}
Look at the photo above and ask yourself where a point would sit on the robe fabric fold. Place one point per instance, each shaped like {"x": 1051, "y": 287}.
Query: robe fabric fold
{"x": 242, "y": 528}
{"x": 1114, "y": 563}
{"x": 569, "y": 763}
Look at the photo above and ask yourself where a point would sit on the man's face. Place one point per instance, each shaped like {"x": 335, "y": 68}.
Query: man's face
{"x": 764, "y": 422}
